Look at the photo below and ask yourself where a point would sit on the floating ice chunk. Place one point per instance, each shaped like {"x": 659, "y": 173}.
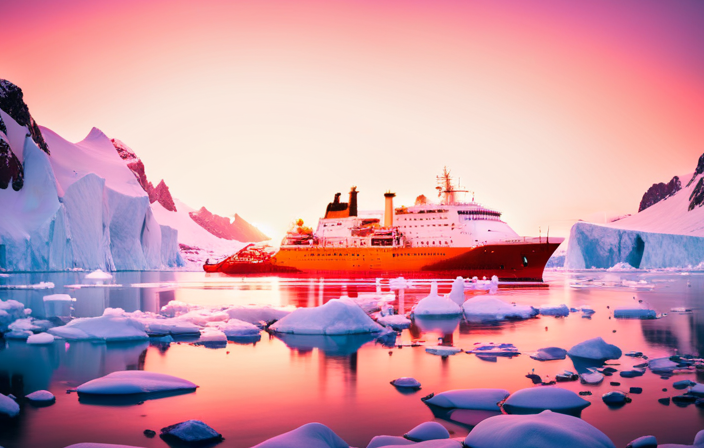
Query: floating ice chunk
{"x": 395, "y": 321}
{"x": 338, "y": 316}
{"x": 591, "y": 377}
{"x": 114, "y": 325}
{"x": 634, "y": 313}
{"x": 235, "y": 328}
{"x": 257, "y": 314}
{"x": 175, "y": 308}
{"x": 41, "y": 397}
{"x": 545, "y": 430}
{"x": 662, "y": 365}
{"x": 549, "y": 354}
{"x": 555, "y": 310}
{"x": 382, "y": 441}
{"x": 495, "y": 350}
{"x": 697, "y": 389}
{"x": 134, "y": 382}
{"x": 98, "y": 277}
{"x": 41, "y": 338}
{"x": 631, "y": 373}
{"x": 8, "y": 406}
{"x": 478, "y": 399}
{"x": 59, "y": 298}
{"x": 483, "y": 309}
{"x": 23, "y": 325}
{"x": 679, "y": 385}
{"x": 213, "y": 338}
{"x": 406, "y": 382}
{"x": 587, "y": 310}
{"x": 10, "y": 311}
{"x": 434, "y": 305}
{"x": 172, "y": 326}
{"x": 442, "y": 350}
{"x": 538, "y": 399}
{"x": 191, "y": 432}
{"x": 615, "y": 398}
{"x": 427, "y": 431}
{"x": 457, "y": 292}
{"x": 643, "y": 442}
{"x": 596, "y": 349}
{"x": 311, "y": 435}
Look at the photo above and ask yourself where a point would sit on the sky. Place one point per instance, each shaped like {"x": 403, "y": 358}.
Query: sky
{"x": 549, "y": 111}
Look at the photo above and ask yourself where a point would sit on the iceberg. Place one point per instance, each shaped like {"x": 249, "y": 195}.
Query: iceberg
{"x": 544, "y": 430}
{"x": 478, "y": 399}
{"x": 40, "y": 339}
{"x": 8, "y": 406}
{"x": 537, "y": 399}
{"x": 549, "y": 354}
{"x": 113, "y": 326}
{"x": 311, "y": 435}
{"x": 434, "y": 305}
{"x": 457, "y": 292}
{"x": 483, "y": 309}
{"x": 406, "y": 383}
{"x": 442, "y": 350}
{"x": 595, "y": 349}
{"x": 43, "y": 397}
{"x": 337, "y": 317}
{"x": 235, "y": 328}
{"x": 129, "y": 382}
{"x": 427, "y": 431}
{"x": 555, "y": 310}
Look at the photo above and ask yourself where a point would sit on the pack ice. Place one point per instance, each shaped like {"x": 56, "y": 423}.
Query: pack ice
{"x": 80, "y": 207}
{"x": 544, "y": 430}
{"x": 338, "y": 316}
{"x": 134, "y": 382}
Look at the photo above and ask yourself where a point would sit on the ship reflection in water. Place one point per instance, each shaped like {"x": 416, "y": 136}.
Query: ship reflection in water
{"x": 253, "y": 391}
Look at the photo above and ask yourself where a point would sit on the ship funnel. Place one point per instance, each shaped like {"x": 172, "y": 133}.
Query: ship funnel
{"x": 389, "y": 209}
{"x": 353, "y": 201}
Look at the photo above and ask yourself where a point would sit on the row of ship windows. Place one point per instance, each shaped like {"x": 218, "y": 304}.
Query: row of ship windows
{"x": 423, "y": 225}
{"x": 422, "y": 219}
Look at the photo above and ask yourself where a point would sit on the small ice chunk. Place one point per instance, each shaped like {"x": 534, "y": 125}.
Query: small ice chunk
{"x": 643, "y": 442}
{"x": 394, "y": 321}
{"x": 544, "y": 430}
{"x": 615, "y": 398}
{"x": 18, "y": 334}
{"x": 406, "y": 383}
{"x": 591, "y": 377}
{"x": 98, "y": 276}
{"x": 8, "y": 406}
{"x": 256, "y": 314}
{"x": 477, "y": 399}
{"x": 311, "y": 435}
{"x": 662, "y": 365}
{"x": 634, "y": 313}
{"x": 596, "y": 349}
{"x": 587, "y": 310}
{"x": 697, "y": 389}
{"x": 434, "y": 305}
{"x": 134, "y": 382}
{"x": 235, "y": 328}
{"x": 193, "y": 432}
{"x": 537, "y": 399}
{"x": 59, "y": 298}
{"x": 338, "y": 316}
{"x": 488, "y": 309}
{"x": 549, "y": 354}
{"x": 41, "y": 397}
{"x": 41, "y": 338}
{"x": 213, "y": 337}
{"x": 427, "y": 431}
{"x": 555, "y": 310}
{"x": 679, "y": 385}
{"x": 442, "y": 350}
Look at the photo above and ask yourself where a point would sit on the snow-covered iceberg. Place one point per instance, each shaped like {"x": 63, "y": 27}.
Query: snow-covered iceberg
{"x": 129, "y": 382}
{"x": 537, "y": 399}
{"x": 113, "y": 326}
{"x": 479, "y": 399}
{"x": 595, "y": 349}
{"x": 427, "y": 431}
{"x": 8, "y": 406}
{"x": 555, "y": 310}
{"x": 311, "y": 435}
{"x": 549, "y": 354}
{"x": 435, "y": 305}
{"x": 338, "y": 316}
{"x": 482, "y": 309}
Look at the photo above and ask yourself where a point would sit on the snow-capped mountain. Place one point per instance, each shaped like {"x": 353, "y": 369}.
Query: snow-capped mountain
{"x": 88, "y": 205}
{"x": 667, "y": 232}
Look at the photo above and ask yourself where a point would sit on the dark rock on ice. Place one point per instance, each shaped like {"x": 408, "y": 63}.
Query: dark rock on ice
{"x": 635, "y": 390}
{"x": 665, "y": 401}
{"x": 191, "y": 432}
{"x": 149, "y": 433}
{"x": 615, "y": 398}
{"x": 658, "y": 192}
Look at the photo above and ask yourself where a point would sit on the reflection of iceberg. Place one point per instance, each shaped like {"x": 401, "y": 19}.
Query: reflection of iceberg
{"x": 343, "y": 345}
{"x": 442, "y": 325}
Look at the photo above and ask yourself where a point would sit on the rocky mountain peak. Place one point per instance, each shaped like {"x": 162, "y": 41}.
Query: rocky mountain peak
{"x": 658, "y": 192}
{"x": 12, "y": 102}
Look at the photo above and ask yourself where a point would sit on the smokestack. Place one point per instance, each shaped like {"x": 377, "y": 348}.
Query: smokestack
{"x": 353, "y": 201}
{"x": 389, "y": 209}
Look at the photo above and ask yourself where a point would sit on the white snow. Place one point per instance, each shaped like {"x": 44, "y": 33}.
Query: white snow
{"x": 549, "y": 354}
{"x": 555, "y": 310}
{"x": 480, "y": 399}
{"x": 427, "y": 431}
{"x": 537, "y": 399}
{"x": 338, "y": 316}
{"x": 134, "y": 382}
{"x": 41, "y": 396}
{"x": 192, "y": 432}
{"x": 406, "y": 382}
{"x": 634, "y": 313}
{"x": 395, "y": 321}
{"x": 596, "y": 349}
{"x": 457, "y": 292}
{"x": 114, "y": 325}
{"x": 482, "y": 309}
{"x": 40, "y": 339}
{"x": 8, "y": 406}
{"x": 311, "y": 435}
{"x": 544, "y": 430}
{"x": 434, "y": 305}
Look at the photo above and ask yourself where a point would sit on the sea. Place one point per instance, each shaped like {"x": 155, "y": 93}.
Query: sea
{"x": 252, "y": 391}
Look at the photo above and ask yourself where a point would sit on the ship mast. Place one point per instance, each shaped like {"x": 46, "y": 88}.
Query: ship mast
{"x": 445, "y": 188}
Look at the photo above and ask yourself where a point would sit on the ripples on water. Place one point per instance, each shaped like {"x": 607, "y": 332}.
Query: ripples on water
{"x": 251, "y": 392}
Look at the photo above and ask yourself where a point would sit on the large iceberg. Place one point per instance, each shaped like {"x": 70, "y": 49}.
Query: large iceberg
{"x": 338, "y": 316}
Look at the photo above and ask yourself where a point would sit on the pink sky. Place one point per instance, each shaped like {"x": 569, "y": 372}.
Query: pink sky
{"x": 550, "y": 111}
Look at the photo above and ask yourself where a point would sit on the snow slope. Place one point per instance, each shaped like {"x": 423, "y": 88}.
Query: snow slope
{"x": 666, "y": 234}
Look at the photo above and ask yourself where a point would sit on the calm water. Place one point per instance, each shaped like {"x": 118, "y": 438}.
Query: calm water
{"x": 251, "y": 392}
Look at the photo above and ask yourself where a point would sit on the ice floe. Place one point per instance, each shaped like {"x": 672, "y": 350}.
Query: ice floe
{"x": 442, "y": 350}
{"x": 544, "y": 430}
{"x": 191, "y": 432}
{"x": 311, "y": 435}
{"x": 483, "y": 309}
{"x": 338, "y": 316}
{"x": 135, "y": 382}
{"x": 662, "y": 365}
{"x": 595, "y": 349}
{"x": 394, "y": 321}
{"x": 41, "y": 397}
{"x": 491, "y": 349}
{"x": 591, "y": 377}
{"x": 235, "y": 328}
{"x": 634, "y": 313}
{"x": 479, "y": 399}
{"x": 549, "y": 354}
{"x": 406, "y": 383}
{"x": 8, "y": 406}
{"x": 537, "y": 399}
{"x": 40, "y": 339}
{"x": 554, "y": 310}
{"x": 427, "y": 431}
{"x": 114, "y": 325}
{"x": 435, "y": 305}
